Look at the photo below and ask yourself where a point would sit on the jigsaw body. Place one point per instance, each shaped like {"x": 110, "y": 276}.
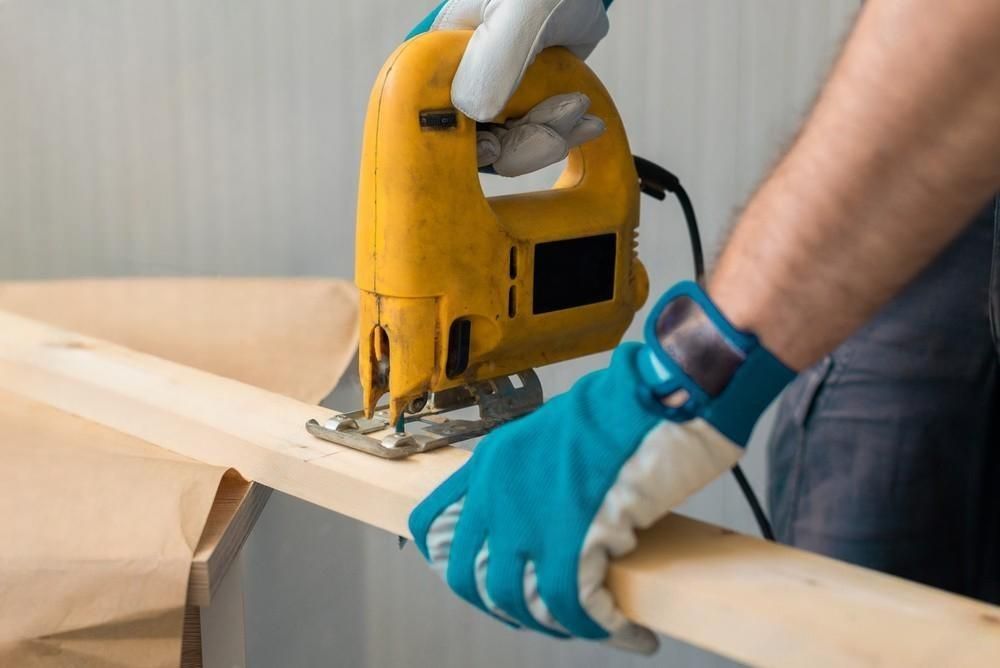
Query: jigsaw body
{"x": 460, "y": 292}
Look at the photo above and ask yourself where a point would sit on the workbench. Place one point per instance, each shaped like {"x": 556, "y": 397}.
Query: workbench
{"x": 215, "y": 591}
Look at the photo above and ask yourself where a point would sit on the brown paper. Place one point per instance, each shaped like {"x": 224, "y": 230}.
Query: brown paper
{"x": 293, "y": 336}
{"x": 99, "y": 527}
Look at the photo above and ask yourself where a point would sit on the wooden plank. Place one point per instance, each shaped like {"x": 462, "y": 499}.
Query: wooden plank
{"x": 223, "y": 623}
{"x": 738, "y": 596}
{"x": 237, "y": 505}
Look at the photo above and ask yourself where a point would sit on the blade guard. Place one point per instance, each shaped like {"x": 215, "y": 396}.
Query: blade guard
{"x": 455, "y": 287}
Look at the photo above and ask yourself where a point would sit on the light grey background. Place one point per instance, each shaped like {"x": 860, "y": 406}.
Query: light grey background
{"x": 161, "y": 137}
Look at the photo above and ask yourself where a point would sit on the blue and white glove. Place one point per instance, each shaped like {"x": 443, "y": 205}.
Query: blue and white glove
{"x": 525, "y": 530}
{"x": 508, "y": 35}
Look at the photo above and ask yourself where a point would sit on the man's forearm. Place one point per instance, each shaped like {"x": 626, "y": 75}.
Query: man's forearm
{"x": 901, "y": 148}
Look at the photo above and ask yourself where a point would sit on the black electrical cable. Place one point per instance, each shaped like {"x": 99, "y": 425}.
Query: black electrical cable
{"x": 758, "y": 512}
{"x": 656, "y": 182}
{"x": 693, "y": 234}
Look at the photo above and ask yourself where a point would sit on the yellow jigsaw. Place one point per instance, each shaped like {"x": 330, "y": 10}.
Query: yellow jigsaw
{"x": 462, "y": 296}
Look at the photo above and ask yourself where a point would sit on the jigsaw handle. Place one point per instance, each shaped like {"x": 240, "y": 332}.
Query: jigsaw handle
{"x": 521, "y": 280}
{"x": 419, "y": 161}
{"x": 601, "y": 167}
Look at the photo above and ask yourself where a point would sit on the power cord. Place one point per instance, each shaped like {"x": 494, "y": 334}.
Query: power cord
{"x": 656, "y": 182}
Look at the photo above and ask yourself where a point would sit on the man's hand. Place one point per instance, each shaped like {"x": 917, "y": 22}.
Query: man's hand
{"x": 526, "y": 528}
{"x": 508, "y": 35}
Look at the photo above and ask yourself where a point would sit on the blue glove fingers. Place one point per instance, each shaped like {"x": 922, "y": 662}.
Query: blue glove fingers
{"x": 462, "y": 570}
{"x": 447, "y": 493}
{"x": 482, "y": 566}
{"x": 470, "y": 536}
{"x": 434, "y": 525}
{"x": 506, "y": 584}
{"x": 560, "y": 589}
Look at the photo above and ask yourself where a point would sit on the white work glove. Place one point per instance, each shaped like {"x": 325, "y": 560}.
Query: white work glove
{"x": 540, "y": 138}
{"x": 508, "y": 35}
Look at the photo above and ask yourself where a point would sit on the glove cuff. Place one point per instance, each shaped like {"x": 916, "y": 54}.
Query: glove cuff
{"x": 697, "y": 364}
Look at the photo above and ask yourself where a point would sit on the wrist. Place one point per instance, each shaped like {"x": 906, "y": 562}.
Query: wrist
{"x": 697, "y": 363}
{"x": 751, "y": 303}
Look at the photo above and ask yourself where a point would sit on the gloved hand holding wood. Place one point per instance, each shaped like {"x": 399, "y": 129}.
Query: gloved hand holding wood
{"x": 526, "y": 529}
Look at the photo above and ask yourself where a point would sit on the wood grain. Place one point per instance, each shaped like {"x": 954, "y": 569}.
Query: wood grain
{"x": 744, "y": 598}
{"x": 238, "y": 503}
{"x": 191, "y": 652}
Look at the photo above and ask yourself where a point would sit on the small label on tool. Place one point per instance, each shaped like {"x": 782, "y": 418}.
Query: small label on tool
{"x": 439, "y": 120}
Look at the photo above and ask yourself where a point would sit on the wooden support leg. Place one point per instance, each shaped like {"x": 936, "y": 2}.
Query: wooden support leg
{"x": 191, "y": 651}
{"x": 223, "y": 630}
